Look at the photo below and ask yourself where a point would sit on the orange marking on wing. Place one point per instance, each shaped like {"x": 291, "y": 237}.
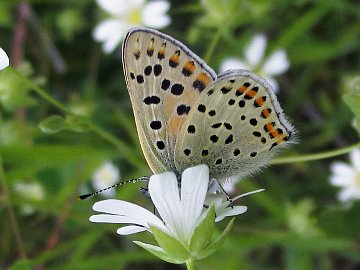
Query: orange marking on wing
{"x": 189, "y": 67}
{"x": 170, "y": 103}
{"x": 150, "y": 49}
{"x": 162, "y": 51}
{"x": 269, "y": 127}
{"x": 251, "y": 93}
{"x": 175, "y": 123}
{"x": 274, "y": 133}
{"x": 175, "y": 58}
{"x": 265, "y": 113}
{"x": 259, "y": 101}
{"x": 241, "y": 89}
{"x": 204, "y": 78}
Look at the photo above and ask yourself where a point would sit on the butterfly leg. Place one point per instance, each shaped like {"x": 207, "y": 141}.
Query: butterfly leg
{"x": 215, "y": 186}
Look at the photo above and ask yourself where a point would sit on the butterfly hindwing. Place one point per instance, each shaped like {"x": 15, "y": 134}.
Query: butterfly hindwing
{"x": 164, "y": 79}
{"x": 235, "y": 127}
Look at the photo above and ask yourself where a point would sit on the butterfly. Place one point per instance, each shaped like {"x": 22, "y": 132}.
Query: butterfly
{"x": 187, "y": 115}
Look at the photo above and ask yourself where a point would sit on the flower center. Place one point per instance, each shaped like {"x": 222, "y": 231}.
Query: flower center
{"x": 357, "y": 179}
{"x": 135, "y": 17}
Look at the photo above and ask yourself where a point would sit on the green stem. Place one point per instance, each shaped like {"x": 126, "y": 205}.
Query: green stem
{"x": 11, "y": 213}
{"x": 211, "y": 48}
{"x": 125, "y": 149}
{"x": 310, "y": 157}
{"x": 41, "y": 92}
{"x": 190, "y": 264}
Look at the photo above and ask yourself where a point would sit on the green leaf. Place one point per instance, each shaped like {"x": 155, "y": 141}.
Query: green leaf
{"x": 217, "y": 243}
{"x": 52, "y": 124}
{"x": 203, "y": 232}
{"x": 76, "y": 123}
{"x": 22, "y": 265}
{"x": 352, "y": 100}
{"x": 158, "y": 252}
{"x": 170, "y": 245}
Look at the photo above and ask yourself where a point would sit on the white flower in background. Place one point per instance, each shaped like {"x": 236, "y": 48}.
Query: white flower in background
{"x": 4, "y": 59}
{"x": 31, "y": 192}
{"x": 347, "y": 177}
{"x": 277, "y": 63}
{"x": 105, "y": 176}
{"x": 126, "y": 14}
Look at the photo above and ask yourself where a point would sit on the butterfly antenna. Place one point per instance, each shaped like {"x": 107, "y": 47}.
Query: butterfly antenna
{"x": 140, "y": 179}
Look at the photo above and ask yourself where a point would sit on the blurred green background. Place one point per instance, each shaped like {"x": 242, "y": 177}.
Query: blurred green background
{"x": 297, "y": 223}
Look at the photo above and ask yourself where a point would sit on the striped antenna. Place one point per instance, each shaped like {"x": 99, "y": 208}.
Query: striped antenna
{"x": 142, "y": 179}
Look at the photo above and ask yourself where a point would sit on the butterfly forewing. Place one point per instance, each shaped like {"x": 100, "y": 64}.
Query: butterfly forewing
{"x": 164, "y": 79}
{"x": 235, "y": 127}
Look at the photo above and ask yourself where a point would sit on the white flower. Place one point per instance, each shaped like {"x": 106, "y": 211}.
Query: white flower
{"x": 276, "y": 64}
{"x": 180, "y": 213}
{"x": 31, "y": 192}
{"x": 347, "y": 177}
{"x": 105, "y": 176}
{"x": 4, "y": 59}
{"x": 126, "y": 14}
{"x": 185, "y": 227}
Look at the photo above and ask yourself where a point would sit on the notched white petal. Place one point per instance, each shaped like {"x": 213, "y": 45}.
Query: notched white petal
{"x": 195, "y": 182}
{"x": 277, "y": 63}
{"x": 131, "y": 229}
{"x": 116, "y": 8}
{"x": 254, "y": 52}
{"x": 154, "y": 14}
{"x": 127, "y": 211}
{"x": 231, "y": 211}
{"x": 164, "y": 192}
{"x": 273, "y": 83}
{"x": 110, "y": 32}
{"x": 342, "y": 169}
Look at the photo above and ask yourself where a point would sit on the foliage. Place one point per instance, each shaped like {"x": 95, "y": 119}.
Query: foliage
{"x": 60, "y": 82}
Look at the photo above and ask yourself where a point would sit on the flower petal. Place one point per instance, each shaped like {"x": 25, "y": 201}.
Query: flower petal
{"x": 273, "y": 83}
{"x": 342, "y": 169}
{"x": 116, "y": 219}
{"x": 127, "y": 212}
{"x": 4, "y": 59}
{"x": 342, "y": 181}
{"x": 277, "y": 63}
{"x": 232, "y": 63}
{"x": 154, "y": 14}
{"x": 254, "y": 52}
{"x": 355, "y": 159}
{"x": 116, "y": 8}
{"x": 126, "y": 230}
{"x": 110, "y": 32}
{"x": 349, "y": 194}
{"x": 194, "y": 186}
{"x": 231, "y": 211}
{"x": 164, "y": 192}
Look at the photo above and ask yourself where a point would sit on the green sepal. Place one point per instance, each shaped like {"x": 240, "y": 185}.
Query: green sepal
{"x": 214, "y": 246}
{"x": 52, "y": 124}
{"x": 158, "y": 252}
{"x": 170, "y": 245}
{"x": 203, "y": 232}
